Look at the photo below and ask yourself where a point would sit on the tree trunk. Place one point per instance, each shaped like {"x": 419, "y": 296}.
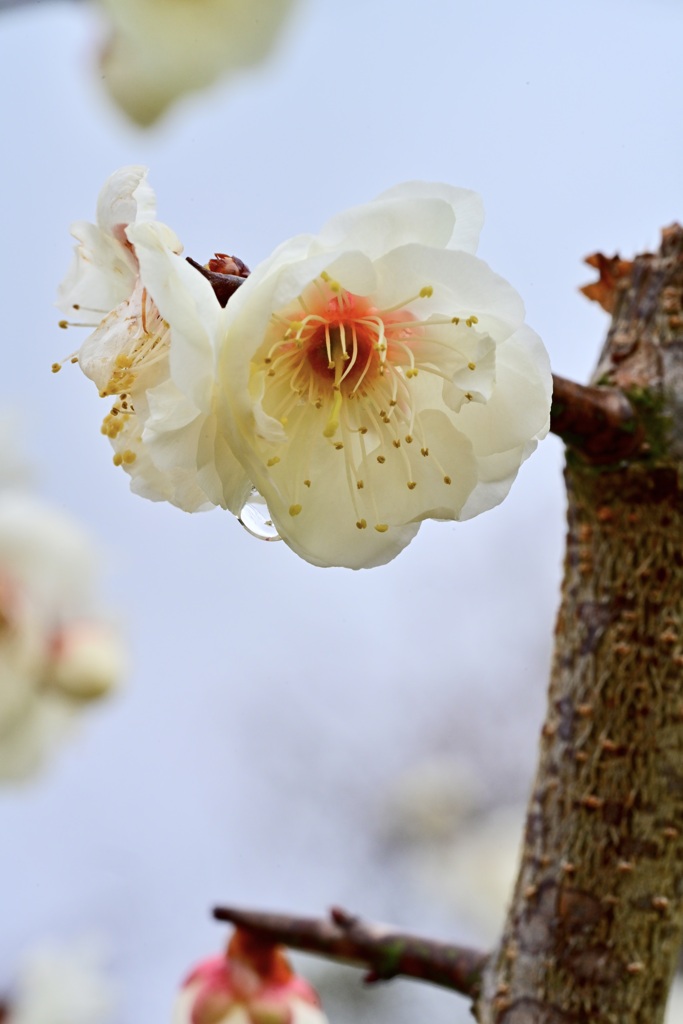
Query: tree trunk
{"x": 596, "y": 922}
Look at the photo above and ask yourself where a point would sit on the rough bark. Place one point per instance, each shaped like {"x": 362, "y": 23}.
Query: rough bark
{"x": 596, "y": 920}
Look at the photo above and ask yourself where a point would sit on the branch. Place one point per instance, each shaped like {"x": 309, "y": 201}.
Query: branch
{"x": 599, "y": 422}
{"x": 385, "y": 952}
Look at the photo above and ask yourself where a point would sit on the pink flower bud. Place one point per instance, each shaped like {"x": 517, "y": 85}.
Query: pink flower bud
{"x": 252, "y": 983}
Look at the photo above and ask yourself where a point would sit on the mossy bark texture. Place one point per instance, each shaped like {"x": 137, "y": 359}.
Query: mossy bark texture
{"x": 596, "y": 922}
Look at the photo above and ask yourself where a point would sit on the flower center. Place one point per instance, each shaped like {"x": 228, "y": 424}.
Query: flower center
{"x": 146, "y": 344}
{"x": 337, "y": 363}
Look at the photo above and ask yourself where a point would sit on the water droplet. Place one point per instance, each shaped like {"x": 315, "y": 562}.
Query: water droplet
{"x": 255, "y": 518}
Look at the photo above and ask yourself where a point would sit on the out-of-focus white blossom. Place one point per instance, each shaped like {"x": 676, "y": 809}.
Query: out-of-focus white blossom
{"x": 54, "y": 655}
{"x": 252, "y": 984}
{"x": 430, "y": 801}
{"x": 128, "y": 281}
{"x": 160, "y": 49}
{"x": 58, "y": 985}
{"x": 379, "y": 374}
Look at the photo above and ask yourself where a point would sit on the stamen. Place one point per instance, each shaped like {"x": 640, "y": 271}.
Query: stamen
{"x": 332, "y": 424}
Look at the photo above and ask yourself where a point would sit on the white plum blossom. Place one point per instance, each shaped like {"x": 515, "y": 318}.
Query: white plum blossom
{"x": 160, "y": 49}
{"x": 55, "y": 655}
{"x": 129, "y": 282}
{"x": 252, "y": 983}
{"x": 356, "y": 383}
{"x": 379, "y": 374}
{"x": 61, "y": 985}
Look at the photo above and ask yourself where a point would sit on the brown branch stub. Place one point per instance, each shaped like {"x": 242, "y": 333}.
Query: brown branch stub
{"x": 385, "y": 952}
{"x": 598, "y": 422}
{"x": 614, "y": 277}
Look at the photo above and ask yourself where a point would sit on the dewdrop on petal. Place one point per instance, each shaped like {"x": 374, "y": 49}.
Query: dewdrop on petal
{"x": 252, "y": 983}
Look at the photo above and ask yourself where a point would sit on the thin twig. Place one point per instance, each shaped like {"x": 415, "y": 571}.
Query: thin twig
{"x": 385, "y": 952}
{"x": 599, "y": 422}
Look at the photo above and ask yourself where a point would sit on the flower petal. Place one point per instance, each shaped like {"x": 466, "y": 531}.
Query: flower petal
{"x": 519, "y": 407}
{"x": 186, "y": 301}
{"x": 125, "y": 198}
{"x": 467, "y": 207}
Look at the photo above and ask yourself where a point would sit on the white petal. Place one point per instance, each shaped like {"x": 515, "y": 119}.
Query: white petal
{"x": 125, "y": 198}
{"x": 386, "y": 224}
{"x": 462, "y": 286}
{"x": 101, "y": 276}
{"x": 496, "y": 475}
{"x": 467, "y": 207}
{"x": 519, "y": 407}
{"x": 188, "y": 304}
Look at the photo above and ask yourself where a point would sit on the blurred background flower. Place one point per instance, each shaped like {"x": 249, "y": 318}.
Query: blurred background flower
{"x": 158, "y": 50}
{"x": 61, "y": 984}
{"x": 56, "y": 653}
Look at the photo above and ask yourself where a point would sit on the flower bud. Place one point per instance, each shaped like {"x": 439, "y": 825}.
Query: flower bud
{"x": 253, "y": 983}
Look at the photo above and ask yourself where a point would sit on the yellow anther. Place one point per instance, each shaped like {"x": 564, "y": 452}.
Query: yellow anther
{"x": 409, "y": 438}
{"x": 361, "y": 524}
{"x": 273, "y": 462}
{"x": 325, "y": 276}
{"x": 307, "y": 483}
{"x": 359, "y": 485}
{"x": 424, "y": 451}
{"x": 455, "y": 319}
{"x": 118, "y": 459}
{"x": 124, "y": 361}
{"x": 426, "y": 292}
{"x": 362, "y": 430}
{"x": 471, "y": 366}
{"x": 294, "y": 510}
{"x": 74, "y": 359}
{"x": 447, "y": 480}
{"x": 332, "y": 424}
{"x": 338, "y": 445}
{"x": 468, "y": 396}
{"x": 56, "y": 367}
{"x": 381, "y": 459}
{"x": 472, "y": 320}
{"x": 382, "y": 527}
{"x": 412, "y": 484}
{"x": 63, "y": 324}
{"x": 411, "y": 372}
{"x": 392, "y": 402}
{"x": 396, "y": 442}
{"x": 128, "y": 456}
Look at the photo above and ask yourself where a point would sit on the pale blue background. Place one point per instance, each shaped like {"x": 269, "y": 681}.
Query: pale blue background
{"x": 271, "y": 704}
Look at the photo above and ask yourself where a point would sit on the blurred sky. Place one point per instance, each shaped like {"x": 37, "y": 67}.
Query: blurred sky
{"x": 272, "y": 705}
